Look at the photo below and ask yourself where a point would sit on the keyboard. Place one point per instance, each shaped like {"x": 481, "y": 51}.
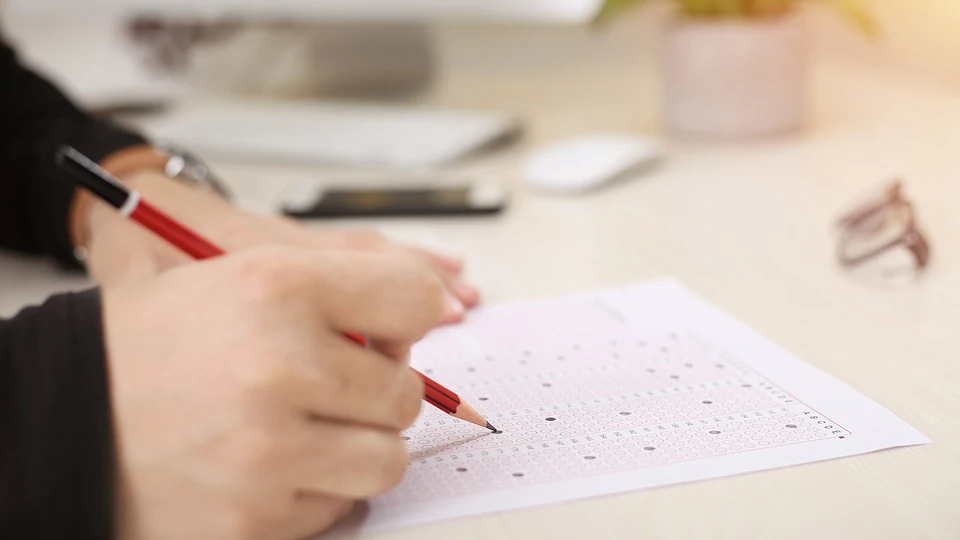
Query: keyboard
{"x": 334, "y": 133}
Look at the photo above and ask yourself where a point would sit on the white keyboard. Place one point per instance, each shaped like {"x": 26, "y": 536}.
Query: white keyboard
{"x": 339, "y": 134}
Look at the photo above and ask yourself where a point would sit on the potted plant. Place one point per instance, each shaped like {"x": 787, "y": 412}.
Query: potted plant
{"x": 736, "y": 68}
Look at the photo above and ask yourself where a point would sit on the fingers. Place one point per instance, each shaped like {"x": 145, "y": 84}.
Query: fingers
{"x": 386, "y": 297}
{"x": 346, "y": 461}
{"x": 450, "y": 269}
{"x": 352, "y": 239}
{"x": 312, "y": 514}
{"x": 359, "y": 386}
{"x": 460, "y": 295}
{"x": 466, "y": 293}
{"x": 398, "y": 352}
{"x": 450, "y": 264}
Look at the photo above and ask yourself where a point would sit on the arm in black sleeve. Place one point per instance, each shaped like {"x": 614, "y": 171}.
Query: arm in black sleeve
{"x": 35, "y": 196}
{"x": 56, "y": 440}
{"x": 56, "y": 436}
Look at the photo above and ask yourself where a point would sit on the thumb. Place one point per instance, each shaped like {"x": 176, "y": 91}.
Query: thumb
{"x": 122, "y": 253}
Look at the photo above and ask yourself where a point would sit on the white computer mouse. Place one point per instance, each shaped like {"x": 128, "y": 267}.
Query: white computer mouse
{"x": 587, "y": 162}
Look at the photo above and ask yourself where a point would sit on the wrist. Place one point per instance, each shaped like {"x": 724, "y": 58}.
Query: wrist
{"x": 168, "y": 179}
{"x": 119, "y": 164}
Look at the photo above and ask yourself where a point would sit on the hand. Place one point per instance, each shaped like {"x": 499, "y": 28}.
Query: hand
{"x": 241, "y": 411}
{"x": 119, "y": 250}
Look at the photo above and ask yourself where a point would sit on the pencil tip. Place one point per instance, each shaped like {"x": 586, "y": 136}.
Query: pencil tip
{"x": 491, "y": 428}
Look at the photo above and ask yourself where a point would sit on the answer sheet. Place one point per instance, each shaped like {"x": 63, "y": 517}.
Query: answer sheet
{"x": 618, "y": 390}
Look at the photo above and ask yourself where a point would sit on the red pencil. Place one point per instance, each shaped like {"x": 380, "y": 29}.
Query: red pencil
{"x": 131, "y": 205}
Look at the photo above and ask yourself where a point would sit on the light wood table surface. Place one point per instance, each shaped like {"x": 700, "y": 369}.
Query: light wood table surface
{"x": 748, "y": 226}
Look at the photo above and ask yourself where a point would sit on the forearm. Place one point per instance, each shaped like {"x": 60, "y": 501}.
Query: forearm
{"x": 36, "y": 197}
{"x": 57, "y": 457}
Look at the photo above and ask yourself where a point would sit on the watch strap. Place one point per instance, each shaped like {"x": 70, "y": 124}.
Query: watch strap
{"x": 119, "y": 164}
{"x": 169, "y": 162}
{"x": 133, "y": 159}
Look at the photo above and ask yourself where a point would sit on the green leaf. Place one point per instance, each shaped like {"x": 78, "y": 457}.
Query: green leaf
{"x": 731, "y": 8}
{"x": 852, "y": 10}
{"x": 699, "y": 8}
{"x": 611, "y": 8}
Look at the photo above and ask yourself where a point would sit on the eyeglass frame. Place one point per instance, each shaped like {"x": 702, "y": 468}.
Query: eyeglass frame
{"x": 912, "y": 238}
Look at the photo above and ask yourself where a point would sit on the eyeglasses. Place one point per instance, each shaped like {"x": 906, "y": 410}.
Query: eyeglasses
{"x": 880, "y": 225}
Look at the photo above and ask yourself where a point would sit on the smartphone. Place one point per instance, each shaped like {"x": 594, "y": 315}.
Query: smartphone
{"x": 416, "y": 199}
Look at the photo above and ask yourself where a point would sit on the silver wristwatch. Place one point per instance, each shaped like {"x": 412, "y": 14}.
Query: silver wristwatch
{"x": 187, "y": 168}
{"x": 181, "y": 166}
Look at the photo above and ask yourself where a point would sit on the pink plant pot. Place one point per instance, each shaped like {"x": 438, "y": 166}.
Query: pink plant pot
{"x": 733, "y": 78}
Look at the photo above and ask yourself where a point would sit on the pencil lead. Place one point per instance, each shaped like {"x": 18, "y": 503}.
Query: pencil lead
{"x": 491, "y": 428}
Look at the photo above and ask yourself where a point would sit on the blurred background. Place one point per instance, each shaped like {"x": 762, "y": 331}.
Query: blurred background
{"x": 453, "y": 76}
{"x": 776, "y": 115}
{"x": 457, "y": 75}
{"x": 324, "y": 50}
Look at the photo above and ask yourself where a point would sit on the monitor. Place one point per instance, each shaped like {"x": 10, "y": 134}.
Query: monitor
{"x": 545, "y": 11}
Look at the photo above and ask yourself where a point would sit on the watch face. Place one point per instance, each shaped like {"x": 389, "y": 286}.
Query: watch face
{"x": 187, "y": 167}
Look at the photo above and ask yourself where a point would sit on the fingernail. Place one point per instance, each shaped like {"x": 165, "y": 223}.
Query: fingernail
{"x": 454, "y": 305}
{"x": 464, "y": 290}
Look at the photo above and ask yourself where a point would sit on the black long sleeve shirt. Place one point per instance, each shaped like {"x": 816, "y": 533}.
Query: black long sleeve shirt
{"x": 57, "y": 463}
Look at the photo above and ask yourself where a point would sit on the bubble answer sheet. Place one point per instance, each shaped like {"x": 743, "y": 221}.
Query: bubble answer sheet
{"x": 613, "y": 391}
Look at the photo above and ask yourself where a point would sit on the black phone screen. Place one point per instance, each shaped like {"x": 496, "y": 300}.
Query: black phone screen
{"x": 394, "y": 202}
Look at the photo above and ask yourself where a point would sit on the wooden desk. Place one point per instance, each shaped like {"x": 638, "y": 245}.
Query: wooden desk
{"x": 747, "y": 226}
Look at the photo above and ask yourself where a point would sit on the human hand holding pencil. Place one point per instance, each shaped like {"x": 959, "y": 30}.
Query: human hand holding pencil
{"x": 131, "y": 204}
{"x": 240, "y": 408}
